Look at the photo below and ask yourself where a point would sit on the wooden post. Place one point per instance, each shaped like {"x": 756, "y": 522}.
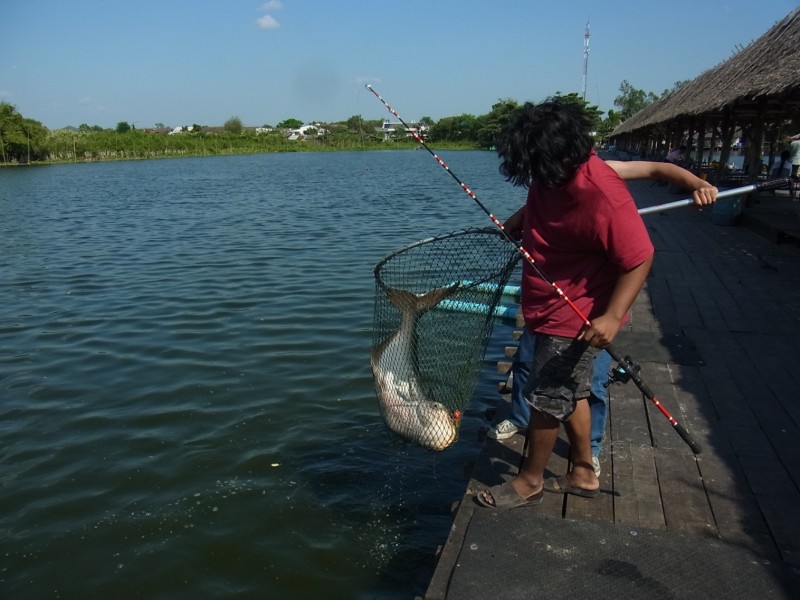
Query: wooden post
{"x": 756, "y": 144}
{"x": 701, "y": 140}
{"x": 728, "y": 129}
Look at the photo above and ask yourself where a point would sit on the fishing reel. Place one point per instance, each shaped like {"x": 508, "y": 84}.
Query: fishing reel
{"x": 625, "y": 370}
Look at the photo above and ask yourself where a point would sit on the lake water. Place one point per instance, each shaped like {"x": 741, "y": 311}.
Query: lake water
{"x": 186, "y": 403}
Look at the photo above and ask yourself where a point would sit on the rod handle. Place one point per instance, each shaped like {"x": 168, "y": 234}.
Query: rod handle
{"x": 774, "y": 184}
{"x": 693, "y": 445}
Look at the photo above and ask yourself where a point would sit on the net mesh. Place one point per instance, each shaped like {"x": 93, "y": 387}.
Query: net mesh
{"x": 434, "y": 307}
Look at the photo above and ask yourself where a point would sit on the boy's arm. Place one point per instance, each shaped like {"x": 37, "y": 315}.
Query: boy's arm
{"x": 703, "y": 192}
{"x": 605, "y": 327}
{"x": 514, "y": 223}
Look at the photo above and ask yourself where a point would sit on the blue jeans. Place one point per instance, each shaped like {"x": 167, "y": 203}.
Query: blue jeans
{"x": 520, "y": 410}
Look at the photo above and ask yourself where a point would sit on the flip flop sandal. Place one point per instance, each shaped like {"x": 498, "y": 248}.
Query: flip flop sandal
{"x": 561, "y": 485}
{"x": 506, "y": 497}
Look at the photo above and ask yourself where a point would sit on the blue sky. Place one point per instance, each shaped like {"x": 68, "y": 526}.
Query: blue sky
{"x": 180, "y": 62}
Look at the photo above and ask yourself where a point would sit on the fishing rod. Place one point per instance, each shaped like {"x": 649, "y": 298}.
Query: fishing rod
{"x": 627, "y": 369}
{"x": 773, "y": 184}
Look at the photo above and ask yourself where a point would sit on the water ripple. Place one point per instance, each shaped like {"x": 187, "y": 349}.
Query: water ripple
{"x": 186, "y": 407}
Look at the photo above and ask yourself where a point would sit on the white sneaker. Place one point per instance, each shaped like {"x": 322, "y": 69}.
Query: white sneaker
{"x": 596, "y": 464}
{"x": 503, "y": 430}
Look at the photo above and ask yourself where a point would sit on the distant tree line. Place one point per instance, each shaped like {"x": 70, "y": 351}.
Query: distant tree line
{"x": 24, "y": 140}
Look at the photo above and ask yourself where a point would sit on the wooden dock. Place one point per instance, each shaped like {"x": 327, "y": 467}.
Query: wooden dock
{"x": 715, "y": 332}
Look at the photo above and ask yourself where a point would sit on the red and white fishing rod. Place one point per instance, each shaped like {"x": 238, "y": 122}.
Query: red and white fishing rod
{"x": 627, "y": 369}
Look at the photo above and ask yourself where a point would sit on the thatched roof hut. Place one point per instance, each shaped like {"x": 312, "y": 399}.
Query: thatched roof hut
{"x": 757, "y": 90}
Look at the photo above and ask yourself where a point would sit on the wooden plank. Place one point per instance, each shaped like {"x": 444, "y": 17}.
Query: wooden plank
{"x": 658, "y": 290}
{"x": 628, "y": 417}
{"x": 600, "y": 508}
{"x": 646, "y": 486}
{"x": 683, "y": 494}
{"x": 776, "y": 363}
{"x": 497, "y": 462}
{"x": 747, "y": 439}
{"x": 693, "y": 409}
{"x": 736, "y": 513}
{"x": 626, "y": 507}
{"x": 637, "y": 497}
{"x": 778, "y": 499}
{"x": 727, "y": 400}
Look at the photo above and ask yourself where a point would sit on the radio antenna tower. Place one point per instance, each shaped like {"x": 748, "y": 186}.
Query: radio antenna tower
{"x": 585, "y": 58}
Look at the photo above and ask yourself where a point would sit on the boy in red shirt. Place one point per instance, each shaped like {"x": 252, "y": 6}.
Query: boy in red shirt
{"x": 581, "y": 226}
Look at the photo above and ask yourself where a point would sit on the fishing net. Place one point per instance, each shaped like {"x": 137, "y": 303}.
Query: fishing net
{"x": 435, "y": 303}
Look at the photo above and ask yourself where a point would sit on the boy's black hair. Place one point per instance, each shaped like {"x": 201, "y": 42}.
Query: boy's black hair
{"x": 545, "y": 143}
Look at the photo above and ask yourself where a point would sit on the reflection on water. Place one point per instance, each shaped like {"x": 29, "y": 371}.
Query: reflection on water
{"x": 186, "y": 405}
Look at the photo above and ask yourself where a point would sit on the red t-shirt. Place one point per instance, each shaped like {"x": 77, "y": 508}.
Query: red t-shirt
{"x": 582, "y": 236}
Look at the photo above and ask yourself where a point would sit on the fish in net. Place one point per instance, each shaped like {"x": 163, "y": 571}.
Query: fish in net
{"x": 434, "y": 307}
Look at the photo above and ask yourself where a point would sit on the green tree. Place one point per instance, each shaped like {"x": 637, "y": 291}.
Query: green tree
{"x": 21, "y": 140}
{"x": 631, "y": 100}
{"x": 233, "y": 125}
{"x": 123, "y": 127}
{"x": 454, "y": 129}
{"x": 608, "y": 124}
{"x": 355, "y": 124}
{"x": 489, "y": 126}
{"x": 594, "y": 113}
{"x": 290, "y": 124}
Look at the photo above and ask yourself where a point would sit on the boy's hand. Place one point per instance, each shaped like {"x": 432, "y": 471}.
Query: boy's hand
{"x": 514, "y": 223}
{"x": 703, "y": 196}
{"x": 602, "y": 332}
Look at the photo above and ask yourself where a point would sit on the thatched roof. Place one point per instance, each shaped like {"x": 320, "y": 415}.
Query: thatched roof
{"x": 763, "y": 76}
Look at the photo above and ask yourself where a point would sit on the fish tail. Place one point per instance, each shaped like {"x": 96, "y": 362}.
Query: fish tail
{"x": 418, "y": 304}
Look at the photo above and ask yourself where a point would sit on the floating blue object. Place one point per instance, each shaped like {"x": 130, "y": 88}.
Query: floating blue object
{"x": 491, "y": 288}
{"x": 502, "y": 311}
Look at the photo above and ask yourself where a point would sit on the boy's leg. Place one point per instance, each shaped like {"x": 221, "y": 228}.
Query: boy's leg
{"x": 578, "y": 427}
{"x": 516, "y": 415}
{"x": 520, "y": 409}
{"x": 598, "y": 401}
{"x": 542, "y": 436}
{"x": 561, "y": 371}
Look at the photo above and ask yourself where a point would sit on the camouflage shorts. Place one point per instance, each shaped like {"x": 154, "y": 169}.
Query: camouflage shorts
{"x": 561, "y": 374}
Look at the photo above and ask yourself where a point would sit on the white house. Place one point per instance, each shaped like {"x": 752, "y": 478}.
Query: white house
{"x": 302, "y": 132}
{"x": 388, "y": 129}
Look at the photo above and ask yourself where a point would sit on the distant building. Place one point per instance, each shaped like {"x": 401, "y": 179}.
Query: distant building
{"x": 187, "y": 129}
{"x": 389, "y": 129}
{"x": 303, "y": 132}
